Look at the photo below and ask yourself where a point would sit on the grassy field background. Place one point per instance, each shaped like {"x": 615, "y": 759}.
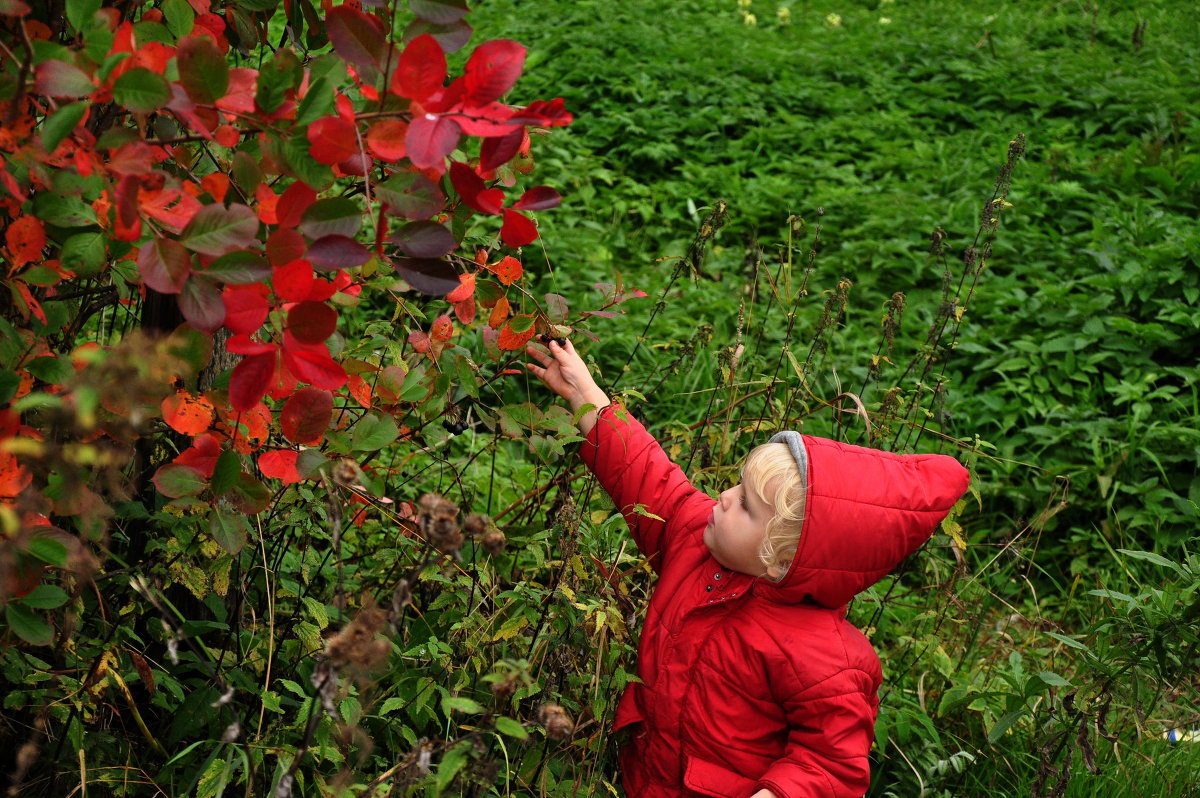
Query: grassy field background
{"x": 1072, "y": 378}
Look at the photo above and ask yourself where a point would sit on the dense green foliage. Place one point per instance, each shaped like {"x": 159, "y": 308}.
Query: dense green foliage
{"x": 1048, "y": 631}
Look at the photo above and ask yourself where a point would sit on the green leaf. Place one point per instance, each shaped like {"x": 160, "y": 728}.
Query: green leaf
{"x": 511, "y": 727}
{"x": 202, "y": 69}
{"x": 275, "y": 79}
{"x": 373, "y": 432}
{"x": 1006, "y": 722}
{"x": 249, "y": 495}
{"x": 180, "y": 19}
{"x": 9, "y": 383}
{"x": 84, "y": 253}
{"x": 230, "y": 530}
{"x": 28, "y": 625}
{"x": 458, "y": 703}
{"x": 258, "y": 5}
{"x": 51, "y": 370}
{"x": 176, "y": 481}
{"x": 453, "y": 761}
{"x": 60, "y": 124}
{"x": 1155, "y": 559}
{"x": 316, "y": 175}
{"x": 141, "y": 90}
{"x": 246, "y": 172}
{"x": 1070, "y": 641}
{"x": 1053, "y": 679}
{"x": 48, "y": 550}
{"x": 239, "y": 268}
{"x": 333, "y": 216}
{"x": 45, "y": 597}
{"x": 225, "y": 475}
{"x": 63, "y": 211}
{"x": 317, "y": 102}
{"x": 81, "y": 14}
{"x": 217, "y": 230}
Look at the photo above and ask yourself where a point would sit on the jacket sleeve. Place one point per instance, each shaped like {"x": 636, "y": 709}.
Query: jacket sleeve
{"x": 643, "y": 483}
{"x": 831, "y": 728}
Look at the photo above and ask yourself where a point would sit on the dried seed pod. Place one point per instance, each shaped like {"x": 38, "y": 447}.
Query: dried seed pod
{"x": 346, "y": 471}
{"x": 356, "y": 644}
{"x": 476, "y": 524}
{"x": 505, "y": 687}
{"x": 493, "y": 541}
{"x": 439, "y": 522}
{"x": 558, "y": 723}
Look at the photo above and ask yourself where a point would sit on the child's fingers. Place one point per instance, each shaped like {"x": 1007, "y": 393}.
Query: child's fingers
{"x": 539, "y": 355}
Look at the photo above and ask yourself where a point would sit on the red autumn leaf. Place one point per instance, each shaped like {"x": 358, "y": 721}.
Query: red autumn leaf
{"x": 293, "y": 202}
{"x": 452, "y": 36}
{"x": 176, "y": 481}
{"x": 250, "y": 380}
{"x": 510, "y": 340}
{"x": 26, "y": 237}
{"x": 164, "y": 265}
{"x": 216, "y": 184}
{"x": 518, "y": 229}
{"x": 60, "y": 79}
{"x": 306, "y": 416}
{"x": 293, "y": 281}
{"x": 200, "y": 303}
{"x": 421, "y": 71}
{"x": 187, "y": 414}
{"x": 312, "y": 364}
{"x": 465, "y": 311}
{"x": 542, "y": 114}
{"x": 202, "y": 455}
{"x": 285, "y": 246}
{"x": 337, "y": 252}
{"x": 439, "y": 12}
{"x": 358, "y": 38}
{"x": 312, "y": 322}
{"x": 13, "y": 477}
{"x": 424, "y": 240}
{"x": 465, "y": 290}
{"x": 203, "y": 72}
{"x": 442, "y": 328}
{"x": 492, "y": 70}
{"x": 419, "y": 341}
{"x": 245, "y": 345}
{"x": 474, "y": 191}
{"x": 538, "y": 198}
{"x": 268, "y": 203}
{"x": 360, "y": 389}
{"x": 280, "y": 464}
{"x": 385, "y": 140}
{"x": 499, "y": 313}
{"x": 321, "y": 289}
{"x": 430, "y": 276}
{"x": 245, "y": 308}
{"x": 495, "y": 151}
{"x": 430, "y": 139}
{"x": 332, "y": 140}
{"x": 508, "y": 270}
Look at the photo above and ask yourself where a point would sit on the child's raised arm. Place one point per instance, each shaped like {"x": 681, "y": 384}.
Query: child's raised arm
{"x": 564, "y": 372}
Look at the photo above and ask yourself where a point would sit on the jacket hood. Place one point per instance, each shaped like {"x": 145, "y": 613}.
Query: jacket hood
{"x": 866, "y": 510}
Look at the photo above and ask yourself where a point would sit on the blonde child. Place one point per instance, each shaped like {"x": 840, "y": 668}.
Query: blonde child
{"x": 753, "y": 684}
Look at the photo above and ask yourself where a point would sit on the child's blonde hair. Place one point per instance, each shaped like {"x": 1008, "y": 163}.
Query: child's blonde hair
{"x": 771, "y": 472}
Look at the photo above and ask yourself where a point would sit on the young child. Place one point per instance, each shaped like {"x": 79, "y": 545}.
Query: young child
{"x": 753, "y": 684}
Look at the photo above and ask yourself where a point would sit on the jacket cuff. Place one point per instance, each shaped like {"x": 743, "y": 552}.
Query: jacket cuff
{"x": 606, "y": 426}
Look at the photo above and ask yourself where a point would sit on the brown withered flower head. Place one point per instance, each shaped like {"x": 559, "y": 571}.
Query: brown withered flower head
{"x": 356, "y": 645}
{"x": 558, "y": 723}
{"x": 439, "y": 522}
{"x": 484, "y": 529}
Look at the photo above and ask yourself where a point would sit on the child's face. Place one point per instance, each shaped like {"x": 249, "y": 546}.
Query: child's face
{"x": 735, "y": 531}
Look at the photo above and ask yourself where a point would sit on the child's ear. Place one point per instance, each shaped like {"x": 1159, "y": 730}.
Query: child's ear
{"x": 778, "y": 570}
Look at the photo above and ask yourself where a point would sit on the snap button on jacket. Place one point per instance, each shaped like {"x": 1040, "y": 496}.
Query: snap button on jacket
{"x": 746, "y": 683}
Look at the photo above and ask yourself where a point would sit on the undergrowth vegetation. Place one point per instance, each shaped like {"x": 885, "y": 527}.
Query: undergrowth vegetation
{"x": 968, "y": 230}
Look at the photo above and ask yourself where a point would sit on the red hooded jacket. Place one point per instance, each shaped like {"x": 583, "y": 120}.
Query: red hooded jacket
{"x": 749, "y": 684}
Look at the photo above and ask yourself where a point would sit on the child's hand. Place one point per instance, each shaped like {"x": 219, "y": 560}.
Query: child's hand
{"x": 564, "y": 372}
{"x": 763, "y": 794}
